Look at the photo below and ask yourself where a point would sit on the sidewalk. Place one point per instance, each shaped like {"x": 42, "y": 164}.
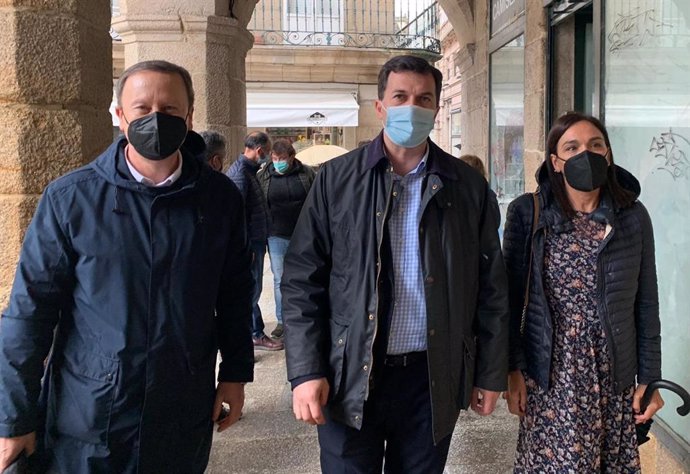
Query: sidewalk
{"x": 268, "y": 439}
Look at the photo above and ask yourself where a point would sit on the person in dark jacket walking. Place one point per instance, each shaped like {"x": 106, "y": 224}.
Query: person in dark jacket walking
{"x": 585, "y": 332}
{"x": 285, "y": 182}
{"x": 242, "y": 172}
{"x": 395, "y": 298}
{"x": 135, "y": 269}
{"x": 215, "y": 152}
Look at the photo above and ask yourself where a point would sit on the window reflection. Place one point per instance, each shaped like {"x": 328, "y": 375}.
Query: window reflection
{"x": 507, "y": 120}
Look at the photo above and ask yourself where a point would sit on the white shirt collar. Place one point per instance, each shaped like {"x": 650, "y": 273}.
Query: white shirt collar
{"x": 140, "y": 178}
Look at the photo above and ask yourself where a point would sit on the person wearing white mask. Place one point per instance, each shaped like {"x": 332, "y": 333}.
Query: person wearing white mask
{"x": 395, "y": 300}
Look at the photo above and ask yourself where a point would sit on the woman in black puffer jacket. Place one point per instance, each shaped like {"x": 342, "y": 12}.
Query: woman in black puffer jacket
{"x": 585, "y": 334}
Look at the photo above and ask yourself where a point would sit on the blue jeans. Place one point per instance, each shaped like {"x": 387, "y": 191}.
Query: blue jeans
{"x": 258, "y": 250}
{"x": 277, "y": 248}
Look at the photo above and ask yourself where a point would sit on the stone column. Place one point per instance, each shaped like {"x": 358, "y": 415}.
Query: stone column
{"x": 536, "y": 51}
{"x": 206, "y": 38}
{"x": 55, "y": 89}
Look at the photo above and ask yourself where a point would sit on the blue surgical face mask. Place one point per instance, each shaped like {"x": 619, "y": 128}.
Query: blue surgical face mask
{"x": 408, "y": 126}
{"x": 281, "y": 166}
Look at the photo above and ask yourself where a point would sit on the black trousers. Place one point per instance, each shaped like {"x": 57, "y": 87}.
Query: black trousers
{"x": 396, "y": 432}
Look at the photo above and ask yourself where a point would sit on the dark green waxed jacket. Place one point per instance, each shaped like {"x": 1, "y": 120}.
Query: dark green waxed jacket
{"x": 337, "y": 270}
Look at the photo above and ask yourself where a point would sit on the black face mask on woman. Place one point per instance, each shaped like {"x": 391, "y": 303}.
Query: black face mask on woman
{"x": 157, "y": 136}
{"x": 586, "y": 171}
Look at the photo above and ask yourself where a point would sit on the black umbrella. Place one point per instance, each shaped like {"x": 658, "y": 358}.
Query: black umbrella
{"x": 683, "y": 410}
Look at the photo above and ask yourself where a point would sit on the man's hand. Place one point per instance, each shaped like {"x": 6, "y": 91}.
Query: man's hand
{"x": 307, "y": 400}
{"x": 517, "y": 393}
{"x": 655, "y": 404}
{"x": 10, "y": 448}
{"x": 484, "y": 401}
{"x": 231, "y": 393}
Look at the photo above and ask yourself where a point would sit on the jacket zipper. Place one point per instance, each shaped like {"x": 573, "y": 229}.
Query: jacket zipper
{"x": 378, "y": 277}
{"x": 604, "y": 310}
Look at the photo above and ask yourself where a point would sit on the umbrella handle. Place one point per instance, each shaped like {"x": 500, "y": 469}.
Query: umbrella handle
{"x": 682, "y": 410}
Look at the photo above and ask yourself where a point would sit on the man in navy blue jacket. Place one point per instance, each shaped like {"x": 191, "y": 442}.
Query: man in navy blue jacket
{"x": 257, "y": 146}
{"x": 135, "y": 269}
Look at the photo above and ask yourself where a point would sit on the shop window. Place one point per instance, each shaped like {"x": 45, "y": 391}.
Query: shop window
{"x": 646, "y": 107}
{"x": 302, "y": 138}
{"x": 455, "y": 142}
{"x": 507, "y": 71}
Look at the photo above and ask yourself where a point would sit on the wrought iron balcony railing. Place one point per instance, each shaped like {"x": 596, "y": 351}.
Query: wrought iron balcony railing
{"x": 386, "y": 24}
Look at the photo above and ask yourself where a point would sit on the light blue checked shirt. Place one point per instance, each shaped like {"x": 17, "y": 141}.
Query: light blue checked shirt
{"x": 408, "y": 318}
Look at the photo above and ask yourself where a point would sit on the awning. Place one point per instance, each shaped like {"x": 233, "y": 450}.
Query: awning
{"x": 301, "y": 109}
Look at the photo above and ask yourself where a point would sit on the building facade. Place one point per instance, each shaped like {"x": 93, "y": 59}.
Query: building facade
{"x": 312, "y": 73}
{"x": 448, "y": 133}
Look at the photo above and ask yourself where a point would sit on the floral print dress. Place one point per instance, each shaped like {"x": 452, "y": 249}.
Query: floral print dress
{"x": 580, "y": 425}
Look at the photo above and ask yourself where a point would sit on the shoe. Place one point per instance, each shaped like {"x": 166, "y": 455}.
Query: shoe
{"x": 265, "y": 343}
{"x": 278, "y": 332}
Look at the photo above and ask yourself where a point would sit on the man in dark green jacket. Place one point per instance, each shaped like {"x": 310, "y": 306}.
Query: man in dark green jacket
{"x": 135, "y": 269}
{"x": 394, "y": 292}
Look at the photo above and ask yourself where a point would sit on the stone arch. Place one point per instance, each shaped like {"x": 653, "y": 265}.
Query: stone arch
{"x": 460, "y": 14}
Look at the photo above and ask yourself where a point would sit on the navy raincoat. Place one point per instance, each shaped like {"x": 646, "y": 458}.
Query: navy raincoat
{"x": 135, "y": 288}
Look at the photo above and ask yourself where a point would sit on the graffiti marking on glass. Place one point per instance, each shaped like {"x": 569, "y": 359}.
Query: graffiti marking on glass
{"x": 500, "y": 7}
{"x": 668, "y": 147}
{"x": 634, "y": 30}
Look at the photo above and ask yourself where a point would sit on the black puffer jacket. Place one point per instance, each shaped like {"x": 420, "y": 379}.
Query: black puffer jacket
{"x": 626, "y": 281}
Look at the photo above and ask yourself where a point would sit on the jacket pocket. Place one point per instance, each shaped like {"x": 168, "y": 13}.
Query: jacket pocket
{"x": 83, "y": 394}
{"x": 337, "y": 356}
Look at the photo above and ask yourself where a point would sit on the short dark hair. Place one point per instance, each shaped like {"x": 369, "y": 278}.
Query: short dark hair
{"x": 255, "y": 140}
{"x": 621, "y": 196}
{"x": 283, "y": 147}
{"x": 156, "y": 66}
{"x": 215, "y": 143}
{"x": 475, "y": 162}
{"x": 411, "y": 64}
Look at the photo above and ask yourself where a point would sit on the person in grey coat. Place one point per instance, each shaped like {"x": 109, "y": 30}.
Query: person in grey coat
{"x": 135, "y": 270}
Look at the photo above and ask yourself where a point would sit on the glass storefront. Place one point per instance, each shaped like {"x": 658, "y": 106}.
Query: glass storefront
{"x": 646, "y": 108}
{"x": 305, "y": 137}
{"x": 455, "y": 136}
{"x": 507, "y": 76}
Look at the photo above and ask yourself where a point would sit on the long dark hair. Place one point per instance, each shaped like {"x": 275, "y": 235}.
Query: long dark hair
{"x": 621, "y": 196}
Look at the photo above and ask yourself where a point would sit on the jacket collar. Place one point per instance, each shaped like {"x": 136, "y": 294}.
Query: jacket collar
{"x": 251, "y": 164}
{"x": 111, "y": 165}
{"x": 437, "y": 162}
{"x": 554, "y": 216}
